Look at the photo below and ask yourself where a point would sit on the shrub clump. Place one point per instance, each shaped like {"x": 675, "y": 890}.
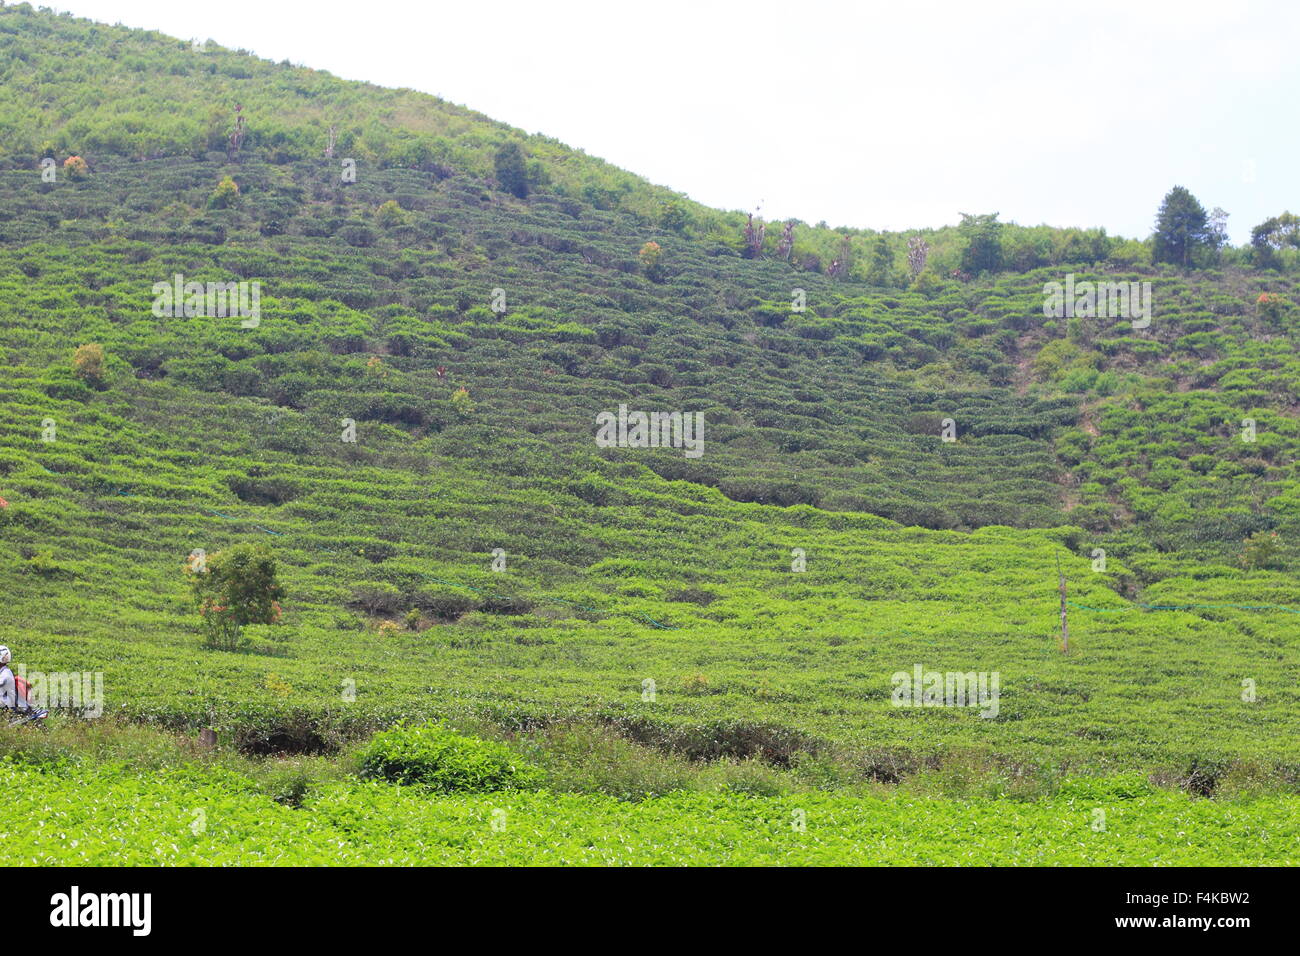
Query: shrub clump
{"x": 234, "y": 588}
{"x": 76, "y": 167}
{"x": 88, "y": 364}
{"x": 1261, "y": 551}
{"x": 437, "y": 758}
{"x": 225, "y": 195}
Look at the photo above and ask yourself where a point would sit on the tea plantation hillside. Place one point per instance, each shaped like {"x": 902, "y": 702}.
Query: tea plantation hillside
{"x": 895, "y": 463}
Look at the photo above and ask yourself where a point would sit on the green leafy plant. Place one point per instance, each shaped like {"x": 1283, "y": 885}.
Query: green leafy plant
{"x": 1261, "y": 550}
{"x": 238, "y": 587}
{"x": 225, "y": 195}
{"x": 511, "y": 170}
{"x": 390, "y": 214}
{"x": 461, "y": 403}
{"x": 435, "y": 757}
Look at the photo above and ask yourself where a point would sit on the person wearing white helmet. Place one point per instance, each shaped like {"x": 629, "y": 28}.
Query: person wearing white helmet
{"x": 12, "y": 697}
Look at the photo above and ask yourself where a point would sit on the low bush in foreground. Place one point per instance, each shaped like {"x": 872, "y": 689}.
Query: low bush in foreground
{"x": 436, "y": 757}
{"x": 110, "y": 815}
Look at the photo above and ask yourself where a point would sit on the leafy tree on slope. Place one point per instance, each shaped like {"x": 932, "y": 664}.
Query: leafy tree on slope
{"x": 1182, "y": 227}
{"x": 512, "y": 173}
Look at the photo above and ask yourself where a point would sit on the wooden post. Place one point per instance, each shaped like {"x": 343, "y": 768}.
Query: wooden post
{"x": 1065, "y": 627}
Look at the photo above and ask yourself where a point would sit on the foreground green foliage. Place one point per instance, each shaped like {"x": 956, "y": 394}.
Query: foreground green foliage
{"x": 437, "y": 758}
{"x": 183, "y": 818}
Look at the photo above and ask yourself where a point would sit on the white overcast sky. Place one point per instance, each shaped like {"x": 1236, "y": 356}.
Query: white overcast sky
{"x": 878, "y": 115}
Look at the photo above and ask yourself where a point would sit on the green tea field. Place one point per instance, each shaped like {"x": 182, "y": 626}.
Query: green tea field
{"x": 342, "y": 572}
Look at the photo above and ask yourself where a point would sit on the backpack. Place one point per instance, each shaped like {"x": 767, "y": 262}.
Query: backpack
{"x": 21, "y": 687}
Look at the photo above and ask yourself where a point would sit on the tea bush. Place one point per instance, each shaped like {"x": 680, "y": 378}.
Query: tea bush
{"x": 434, "y": 757}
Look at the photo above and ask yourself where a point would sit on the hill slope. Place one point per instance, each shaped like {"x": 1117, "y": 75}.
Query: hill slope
{"x": 472, "y": 337}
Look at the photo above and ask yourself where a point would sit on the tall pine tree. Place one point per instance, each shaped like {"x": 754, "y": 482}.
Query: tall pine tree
{"x": 1182, "y": 227}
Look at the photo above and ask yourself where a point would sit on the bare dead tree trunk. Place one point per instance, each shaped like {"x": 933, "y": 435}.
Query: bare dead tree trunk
{"x": 237, "y": 135}
{"x": 918, "y": 250}
{"x": 786, "y": 244}
{"x": 840, "y": 265}
{"x": 754, "y": 237}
